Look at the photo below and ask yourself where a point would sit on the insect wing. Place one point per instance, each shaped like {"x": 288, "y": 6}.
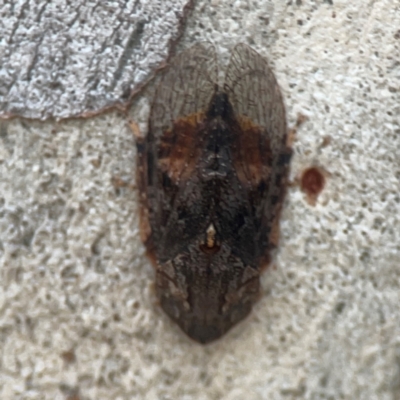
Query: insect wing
{"x": 263, "y": 157}
{"x": 254, "y": 93}
{"x": 180, "y": 104}
{"x": 185, "y": 89}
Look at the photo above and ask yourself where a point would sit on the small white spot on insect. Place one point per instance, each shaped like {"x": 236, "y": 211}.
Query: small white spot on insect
{"x": 211, "y": 232}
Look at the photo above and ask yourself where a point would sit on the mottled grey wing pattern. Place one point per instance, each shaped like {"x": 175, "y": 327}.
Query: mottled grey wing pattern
{"x": 254, "y": 92}
{"x": 183, "y": 94}
{"x": 186, "y": 87}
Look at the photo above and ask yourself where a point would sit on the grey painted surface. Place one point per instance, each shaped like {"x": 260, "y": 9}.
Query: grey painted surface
{"x": 66, "y": 58}
{"x": 74, "y": 279}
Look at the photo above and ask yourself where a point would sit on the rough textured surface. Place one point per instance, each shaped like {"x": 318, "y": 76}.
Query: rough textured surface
{"x": 63, "y": 58}
{"x": 77, "y": 312}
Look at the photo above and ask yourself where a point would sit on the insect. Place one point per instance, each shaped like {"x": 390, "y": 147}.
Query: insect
{"x": 212, "y": 175}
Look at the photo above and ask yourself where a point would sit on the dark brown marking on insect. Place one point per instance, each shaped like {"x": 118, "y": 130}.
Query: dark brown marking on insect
{"x": 212, "y": 176}
{"x": 312, "y": 182}
{"x": 179, "y": 148}
{"x": 252, "y": 154}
